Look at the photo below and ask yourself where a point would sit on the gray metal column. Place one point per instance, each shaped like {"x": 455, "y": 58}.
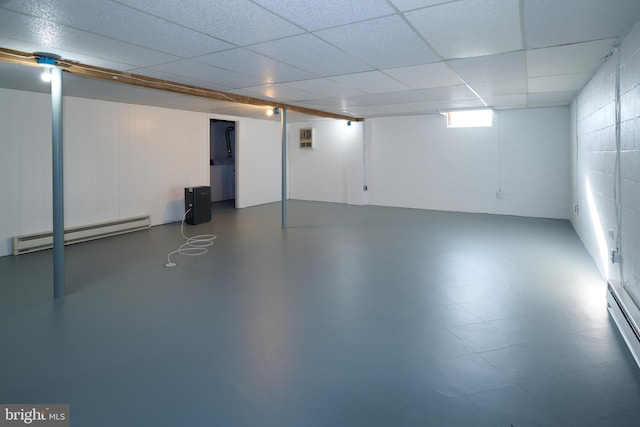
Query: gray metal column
{"x": 365, "y": 186}
{"x": 283, "y": 125}
{"x": 58, "y": 183}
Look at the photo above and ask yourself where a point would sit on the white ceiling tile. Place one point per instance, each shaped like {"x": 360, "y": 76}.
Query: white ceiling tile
{"x": 325, "y": 88}
{"x": 279, "y": 92}
{"x": 182, "y": 79}
{"x": 404, "y": 97}
{"x": 247, "y": 62}
{"x": 437, "y": 74}
{"x": 312, "y": 54}
{"x": 449, "y": 93}
{"x": 470, "y": 27}
{"x": 49, "y": 36}
{"x": 565, "y": 82}
{"x": 205, "y": 73}
{"x": 25, "y": 46}
{"x": 369, "y": 100}
{"x": 435, "y": 106}
{"x": 123, "y": 23}
{"x": 437, "y": 94}
{"x": 566, "y": 59}
{"x": 370, "y": 82}
{"x": 405, "y": 5}
{"x": 369, "y": 112}
{"x": 328, "y": 103}
{"x": 239, "y": 22}
{"x": 362, "y": 111}
{"x": 369, "y": 61}
{"x": 314, "y": 15}
{"x": 384, "y": 43}
{"x": 506, "y": 101}
{"x": 505, "y": 66}
{"x": 546, "y": 99}
{"x": 553, "y": 22}
{"x": 500, "y": 88}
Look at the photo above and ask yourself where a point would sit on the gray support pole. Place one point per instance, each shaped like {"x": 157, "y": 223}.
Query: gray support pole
{"x": 365, "y": 186}
{"x": 283, "y": 125}
{"x": 58, "y": 184}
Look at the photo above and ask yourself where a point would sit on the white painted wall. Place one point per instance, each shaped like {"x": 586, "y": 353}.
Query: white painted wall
{"x": 417, "y": 162}
{"x": 332, "y": 170}
{"x": 25, "y": 165}
{"x": 123, "y": 160}
{"x": 120, "y": 160}
{"x": 258, "y": 162}
{"x": 593, "y": 164}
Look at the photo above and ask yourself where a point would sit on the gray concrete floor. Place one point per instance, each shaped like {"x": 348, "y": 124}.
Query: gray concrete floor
{"x": 354, "y": 316}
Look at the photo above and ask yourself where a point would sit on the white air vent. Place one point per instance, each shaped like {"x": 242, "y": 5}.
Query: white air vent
{"x": 307, "y": 139}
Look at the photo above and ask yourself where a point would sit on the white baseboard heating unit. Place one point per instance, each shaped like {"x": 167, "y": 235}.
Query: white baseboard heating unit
{"x": 626, "y": 314}
{"x": 41, "y": 241}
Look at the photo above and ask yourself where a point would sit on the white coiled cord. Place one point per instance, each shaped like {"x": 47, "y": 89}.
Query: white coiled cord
{"x": 194, "y": 246}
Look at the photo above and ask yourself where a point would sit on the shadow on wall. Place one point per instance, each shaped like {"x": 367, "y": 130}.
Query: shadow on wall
{"x": 173, "y": 211}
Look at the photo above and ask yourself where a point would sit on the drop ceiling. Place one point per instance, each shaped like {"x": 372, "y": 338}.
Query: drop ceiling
{"x": 361, "y": 58}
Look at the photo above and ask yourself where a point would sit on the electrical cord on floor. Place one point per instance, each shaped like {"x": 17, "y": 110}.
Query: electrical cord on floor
{"x": 194, "y": 246}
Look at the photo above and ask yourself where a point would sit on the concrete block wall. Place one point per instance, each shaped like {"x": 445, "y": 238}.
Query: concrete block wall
{"x": 593, "y": 168}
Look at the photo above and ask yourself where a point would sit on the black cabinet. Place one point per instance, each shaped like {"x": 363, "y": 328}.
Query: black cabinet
{"x": 197, "y": 205}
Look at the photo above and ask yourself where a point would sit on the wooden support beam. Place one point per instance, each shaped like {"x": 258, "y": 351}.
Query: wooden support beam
{"x": 18, "y": 57}
{"x": 91, "y": 71}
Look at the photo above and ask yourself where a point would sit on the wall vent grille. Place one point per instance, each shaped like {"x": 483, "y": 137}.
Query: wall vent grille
{"x": 306, "y": 138}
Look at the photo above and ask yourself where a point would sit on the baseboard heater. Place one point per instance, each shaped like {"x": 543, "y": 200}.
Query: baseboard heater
{"x": 625, "y": 314}
{"x": 41, "y": 241}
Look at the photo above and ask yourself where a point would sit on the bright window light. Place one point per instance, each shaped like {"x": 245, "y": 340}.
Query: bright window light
{"x": 469, "y": 118}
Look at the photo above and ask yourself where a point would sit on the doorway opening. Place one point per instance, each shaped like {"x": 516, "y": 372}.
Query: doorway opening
{"x": 222, "y": 161}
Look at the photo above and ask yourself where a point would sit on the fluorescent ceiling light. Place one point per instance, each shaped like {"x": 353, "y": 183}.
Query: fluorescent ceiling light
{"x": 469, "y": 118}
